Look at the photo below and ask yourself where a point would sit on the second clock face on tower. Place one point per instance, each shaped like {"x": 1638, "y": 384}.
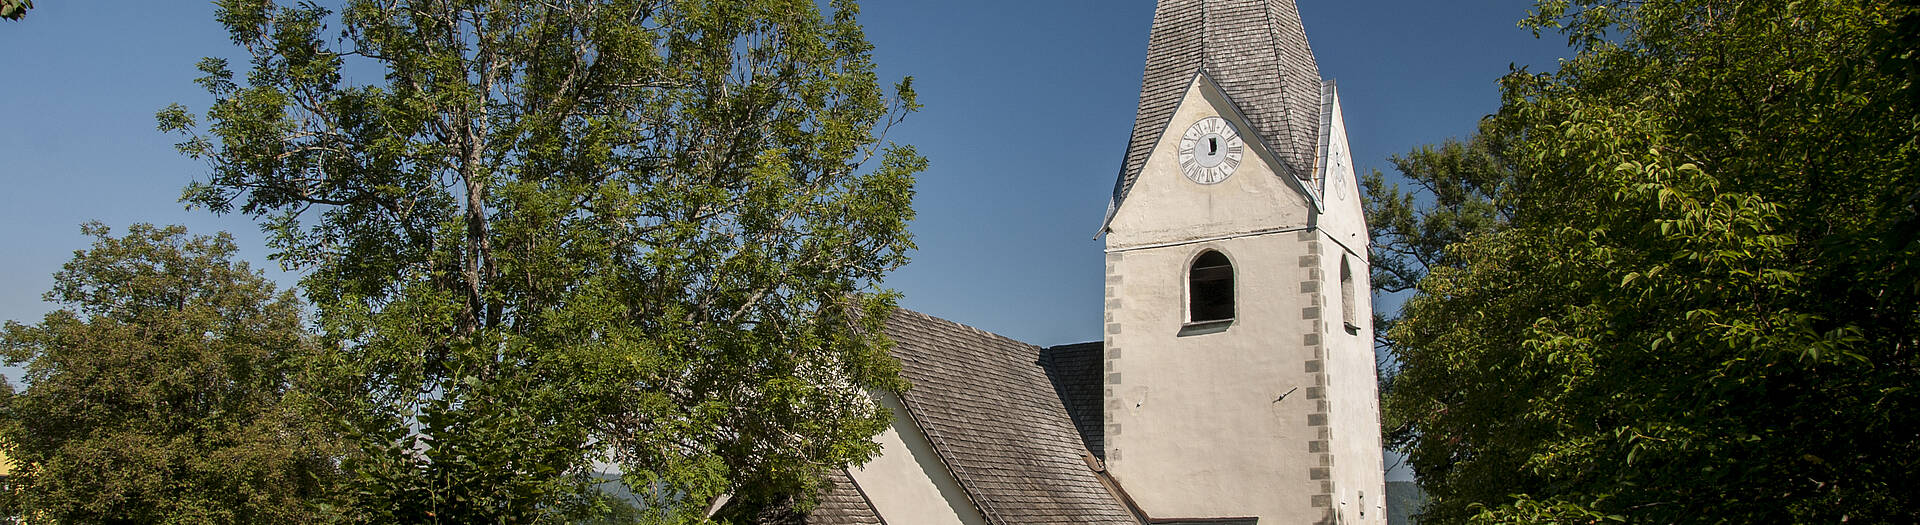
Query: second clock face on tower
{"x": 1210, "y": 150}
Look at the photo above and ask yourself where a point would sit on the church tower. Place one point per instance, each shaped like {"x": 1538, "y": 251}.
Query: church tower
{"x": 1240, "y": 378}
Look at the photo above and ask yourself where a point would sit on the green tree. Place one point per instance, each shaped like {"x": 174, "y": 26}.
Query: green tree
{"x": 546, "y": 236}
{"x": 1687, "y": 291}
{"x": 1459, "y": 181}
{"x": 1454, "y": 197}
{"x": 164, "y": 392}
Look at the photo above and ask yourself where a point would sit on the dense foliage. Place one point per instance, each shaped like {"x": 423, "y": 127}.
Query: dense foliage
{"x": 14, "y": 9}
{"x": 546, "y": 238}
{"x": 1675, "y": 280}
{"x": 164, "y": 392}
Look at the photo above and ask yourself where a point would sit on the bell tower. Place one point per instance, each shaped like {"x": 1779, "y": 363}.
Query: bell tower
{"x": 1240, "y": 378}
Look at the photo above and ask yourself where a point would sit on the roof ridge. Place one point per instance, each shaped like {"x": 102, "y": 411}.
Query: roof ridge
{"x": 1205, "y": 15}
{"x": 969, "y": 327}
{"x": 1286, "y": 110}
{"x": 1070, "y": 345}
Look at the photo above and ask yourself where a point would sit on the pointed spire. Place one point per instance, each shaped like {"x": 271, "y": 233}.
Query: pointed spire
{"x": 1256, "y": 51}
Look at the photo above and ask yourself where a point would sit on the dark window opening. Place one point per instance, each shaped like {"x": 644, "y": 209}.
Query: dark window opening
{"x": 1348, "y": 305}
{"x": 1210, "y": 288}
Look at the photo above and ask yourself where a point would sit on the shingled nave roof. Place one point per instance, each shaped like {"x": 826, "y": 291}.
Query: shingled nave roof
{"x": 988, "y": 407}
{"x": 1256, "y": 51}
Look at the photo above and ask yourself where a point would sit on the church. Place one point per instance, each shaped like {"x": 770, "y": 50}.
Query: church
{"x": 1235, "y": 383}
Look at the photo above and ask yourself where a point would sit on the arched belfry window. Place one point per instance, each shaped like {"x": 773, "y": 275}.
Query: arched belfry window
{"x": 1210, "y": 288}
{"x": 1348, "y": 306}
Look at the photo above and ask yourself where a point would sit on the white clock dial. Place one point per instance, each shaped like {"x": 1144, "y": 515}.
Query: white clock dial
{"x": 1338, "y": 173}
{"x": 1210, "y": 150}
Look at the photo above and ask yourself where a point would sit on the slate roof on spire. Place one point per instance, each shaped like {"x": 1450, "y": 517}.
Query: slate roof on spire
{"x": 1256, "y": 51}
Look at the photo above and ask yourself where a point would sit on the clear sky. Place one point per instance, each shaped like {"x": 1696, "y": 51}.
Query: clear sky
{"x": 1029, "y": 104}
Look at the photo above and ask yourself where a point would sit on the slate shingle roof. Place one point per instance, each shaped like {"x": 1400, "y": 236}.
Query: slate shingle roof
{"x": 1075, "y": 371}
{"x": 1256, "y": 51}
{"x": 844, "y": 504}
{"x": 985, "y": 403}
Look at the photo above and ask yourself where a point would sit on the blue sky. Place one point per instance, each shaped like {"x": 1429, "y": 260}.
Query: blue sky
{"x": 1028, "y": 107}
{"x": 1030, "y": 104}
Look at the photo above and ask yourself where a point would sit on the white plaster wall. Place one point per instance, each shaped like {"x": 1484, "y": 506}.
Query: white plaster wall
{"x": 1194, "y": 429}
{"x": 1353, "y": 394}
{"x": 1164, "y": 205}
{"x": 1352, "y": 376}
{"x": 908, "y": 483}
{"x": 1343, "y": 219}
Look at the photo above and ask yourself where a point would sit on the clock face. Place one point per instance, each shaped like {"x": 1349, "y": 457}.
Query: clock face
{"x": 1338, "y": 183}
{"x": 1210, "y": 150}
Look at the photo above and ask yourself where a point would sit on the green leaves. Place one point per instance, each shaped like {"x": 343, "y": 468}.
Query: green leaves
{"x": 1692, "y": 288}
{"x": 14, "y": 9}
{"x": 168, "y": 390}
{"x": 554, "y": 237}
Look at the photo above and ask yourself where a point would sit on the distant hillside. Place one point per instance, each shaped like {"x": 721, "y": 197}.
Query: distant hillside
{"x": 1403, "y": 501}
